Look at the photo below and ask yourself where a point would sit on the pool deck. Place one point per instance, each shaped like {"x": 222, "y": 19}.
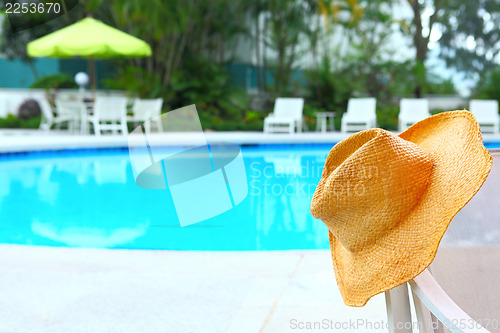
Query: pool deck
{"x": 30, "y": 140}
{"x": 35, "y": 140}
{"x": 69, "y": 290}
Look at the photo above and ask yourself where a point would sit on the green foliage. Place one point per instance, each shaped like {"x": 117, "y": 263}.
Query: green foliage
{"x": 211, "y": 120}
{"x": 287, "y": 22}
{"x": 439, "y": 86}
{"x": 331, "y": 89}
{"x": 470, "y": 23}
{"x": 176, "y": 29}
{"x": 12, "y": 121}
{"x": 490, "y": 87}
{"x": 365, "y": 67}
{"x": 405, "y": 74}
{"x": 200, "y": 81}
{"x": 136, "y": 82}
{"x": 251, "y": 116}
{"x": 309, "y": 114}
{"x": 387, "y": 116}
{"x": 54, "y": 81}
{"x": 468, "y": 34}
{"x": 221, "y": 104}
{"x": 32, "y": 123}
{"x": 192, "y": 41}
{"x": 326, "y": 89}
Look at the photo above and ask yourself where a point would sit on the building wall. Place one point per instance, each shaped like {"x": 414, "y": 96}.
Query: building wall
{"x": 245, "y": 76}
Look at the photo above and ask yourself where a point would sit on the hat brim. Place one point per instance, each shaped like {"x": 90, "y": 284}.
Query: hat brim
{"x": 462, "y": 164}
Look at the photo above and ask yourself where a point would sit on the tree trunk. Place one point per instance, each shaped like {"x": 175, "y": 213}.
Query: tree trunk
{"x": 421, "y": 41}
{"x": 421, "y": 46}
{"x": 264, "y": 59}
{"x": 278, "y": 79}
{"x": 33, "y": 68}
{"x": 257, "y": 53}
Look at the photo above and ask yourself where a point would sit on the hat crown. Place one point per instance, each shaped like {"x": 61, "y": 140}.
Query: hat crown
{"x": 370, "y": 183}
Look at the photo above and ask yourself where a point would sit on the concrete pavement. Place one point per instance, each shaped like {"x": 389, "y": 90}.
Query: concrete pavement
{"x": 50, "y": 289}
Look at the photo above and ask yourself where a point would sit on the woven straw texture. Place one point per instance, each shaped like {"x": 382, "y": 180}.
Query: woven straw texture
{"x": 387, "y": 200}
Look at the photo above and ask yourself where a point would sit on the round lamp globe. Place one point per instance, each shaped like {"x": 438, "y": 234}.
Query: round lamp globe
{"x": 81, "y": 79}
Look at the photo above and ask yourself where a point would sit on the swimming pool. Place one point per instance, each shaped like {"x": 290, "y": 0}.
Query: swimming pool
{"x": 88, "y": 198}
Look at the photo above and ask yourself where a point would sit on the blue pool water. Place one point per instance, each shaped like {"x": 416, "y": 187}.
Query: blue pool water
{"x": 88, "y": 198}
{"x": 492, "y": 145}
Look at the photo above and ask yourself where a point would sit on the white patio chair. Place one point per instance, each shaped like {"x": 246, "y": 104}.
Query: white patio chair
{"x": 486, "y": 112}
{"x": 47, "y": 114}
{"x": 145, "y": 109}
{"x": 286, "y": 116}
{"x": 49, "y": 119}
{"x": 109, "y": 114}
{"x": 360, "y": 115}
{"x": 71, "y": 111}
{"x": 412, "y": 110}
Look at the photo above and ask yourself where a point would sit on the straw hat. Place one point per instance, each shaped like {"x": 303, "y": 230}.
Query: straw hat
{"x": 387, "y": 200}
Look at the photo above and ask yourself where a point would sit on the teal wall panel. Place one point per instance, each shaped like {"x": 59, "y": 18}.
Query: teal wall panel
{"x": 17, "y": 74}
{"x": 245, "y": 75}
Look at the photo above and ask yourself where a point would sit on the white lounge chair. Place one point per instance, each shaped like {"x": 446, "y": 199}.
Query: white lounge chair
{"x": 145, "y": 109}
{"x": 109, "y": 114}
{"x": 428, "y": 298}
{"x": 486, "y": 112}
{"x": 360, "y": 115}
{"x": 411, "y": 111}
{"x": 286, "y": 117}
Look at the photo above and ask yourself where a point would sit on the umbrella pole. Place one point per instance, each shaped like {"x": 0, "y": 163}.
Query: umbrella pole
{"x": 92, "y": 76}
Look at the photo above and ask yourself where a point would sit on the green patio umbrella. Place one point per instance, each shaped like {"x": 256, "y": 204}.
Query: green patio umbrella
{"x": 91, "y": 39}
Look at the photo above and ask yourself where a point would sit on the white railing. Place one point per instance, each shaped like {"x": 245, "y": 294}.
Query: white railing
{"x": 12, "y": 98}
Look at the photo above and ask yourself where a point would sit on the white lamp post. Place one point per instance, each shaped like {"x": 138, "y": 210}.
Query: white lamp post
{"x": 82, "y": 79}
